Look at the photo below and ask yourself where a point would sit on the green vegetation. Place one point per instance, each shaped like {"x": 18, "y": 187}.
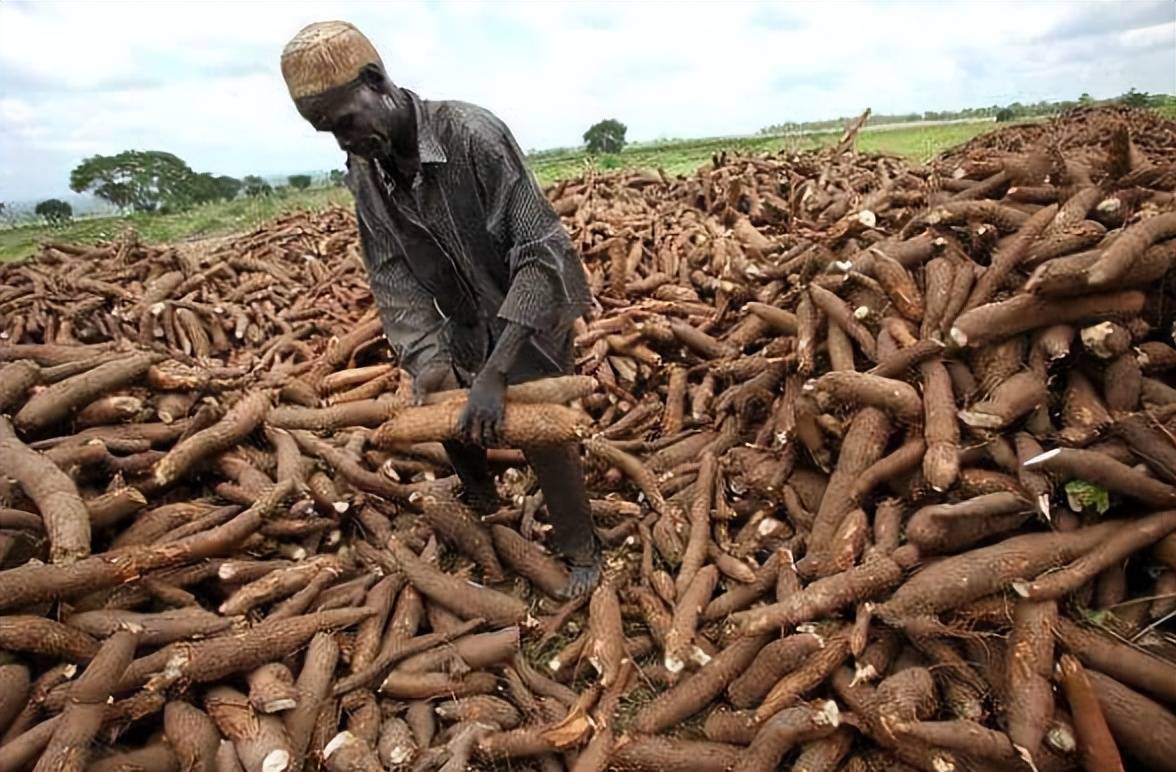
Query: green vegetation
{"x": 607, "y": 136}
{"x": 255, "y": 186}
{"x": 1001, "y": 113}
{"x": 148, "y": 181}
{"x": 54, "y": 210}
{"x": 1167, "y": 108}
{"x": 918, "y": 143}
{"x": 211, "y": 219}
{"x": 1083, "y": 496}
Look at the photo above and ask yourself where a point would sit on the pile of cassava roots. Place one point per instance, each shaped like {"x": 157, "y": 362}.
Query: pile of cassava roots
{"x": 882, "y": 457}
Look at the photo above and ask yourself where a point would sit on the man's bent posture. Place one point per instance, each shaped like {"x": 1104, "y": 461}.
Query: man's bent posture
{"x": 477, "y": 283}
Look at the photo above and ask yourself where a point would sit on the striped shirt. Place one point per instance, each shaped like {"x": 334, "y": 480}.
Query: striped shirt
{"x": 468, "y": 246}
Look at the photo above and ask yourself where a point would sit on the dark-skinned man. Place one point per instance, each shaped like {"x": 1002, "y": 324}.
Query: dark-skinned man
{"x": 477, "y": 283}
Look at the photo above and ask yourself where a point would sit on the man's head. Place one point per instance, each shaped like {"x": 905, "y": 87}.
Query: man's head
{"x": 338, "y": 83}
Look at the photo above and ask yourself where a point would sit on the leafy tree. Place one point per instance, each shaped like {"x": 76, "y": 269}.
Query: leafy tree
{"x": 337, "y": 177}
{"x": 227, "y": 187}
{"x": 299, "y": 181}
{"x": 607, "y": 136}
{"x": 1004, "y": 115}
{"x": 197, "y": 189}
{"x": 1086, "y": 99}
{"x": 54, "y": 210}
{"x": 141, "y": 179}
{"x": 255, "y": 186}
{"x": 1135, "y": 98}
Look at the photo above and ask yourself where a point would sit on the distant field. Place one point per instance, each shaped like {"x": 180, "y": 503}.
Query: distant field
{"x": 918, "y": 143}
{"x": 213, "y": 219}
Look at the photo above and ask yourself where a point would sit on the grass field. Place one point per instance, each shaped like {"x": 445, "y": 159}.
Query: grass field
{"x": 918, "y": 143}
{"x": 206, "y": 220}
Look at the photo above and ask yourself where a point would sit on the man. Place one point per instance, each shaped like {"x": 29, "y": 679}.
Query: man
{"x": 476, "y": 280}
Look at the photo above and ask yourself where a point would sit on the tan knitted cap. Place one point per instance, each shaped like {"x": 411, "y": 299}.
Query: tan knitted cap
{"x": 324, "y": 55}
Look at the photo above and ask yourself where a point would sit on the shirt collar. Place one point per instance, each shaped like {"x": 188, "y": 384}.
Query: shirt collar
{"x": 429, "y": 147}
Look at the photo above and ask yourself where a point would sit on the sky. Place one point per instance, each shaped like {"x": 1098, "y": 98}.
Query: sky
{"x": 202, "y": 79}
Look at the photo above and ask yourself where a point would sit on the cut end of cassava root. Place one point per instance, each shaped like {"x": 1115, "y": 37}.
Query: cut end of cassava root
{"x": 276, "y": 761}
{"x": 1041, "y": 458}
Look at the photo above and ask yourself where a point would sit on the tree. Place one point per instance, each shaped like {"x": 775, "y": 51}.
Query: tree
{"x": 141, "y": 179}
{"x": 54, "y": 210}
{"x": 337, "y": 177}
{"x": 227, "y": 187}
{"x": 197, "y": 189}
{"x": 299, "y": 181}
{"x": 1086, "y": 99}
{"x": 1134, "y": 98}
{"x": 255, "y": 186}
{"x": 1004, "y": 115}
{"x": 607, "y": 136}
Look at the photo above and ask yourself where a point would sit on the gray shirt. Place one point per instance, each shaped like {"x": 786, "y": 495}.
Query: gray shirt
{"x": 469, "y": 245}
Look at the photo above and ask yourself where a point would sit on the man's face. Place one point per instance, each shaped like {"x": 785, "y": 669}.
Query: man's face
{"x": 362, "y": 118}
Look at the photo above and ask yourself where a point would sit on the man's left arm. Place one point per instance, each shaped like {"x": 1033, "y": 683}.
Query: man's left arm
{"x": 547, "y": 286}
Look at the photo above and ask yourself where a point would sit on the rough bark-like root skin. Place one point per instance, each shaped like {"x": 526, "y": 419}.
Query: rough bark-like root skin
{"x": 523, "y": 425}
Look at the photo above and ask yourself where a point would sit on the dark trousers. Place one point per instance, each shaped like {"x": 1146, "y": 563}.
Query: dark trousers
{"x": 561, "y": 478}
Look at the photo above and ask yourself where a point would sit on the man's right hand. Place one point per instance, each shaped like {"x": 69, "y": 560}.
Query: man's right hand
{"x": 436, "y": 376}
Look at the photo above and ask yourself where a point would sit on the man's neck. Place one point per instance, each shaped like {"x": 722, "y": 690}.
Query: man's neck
{"x": 404, "y": 156}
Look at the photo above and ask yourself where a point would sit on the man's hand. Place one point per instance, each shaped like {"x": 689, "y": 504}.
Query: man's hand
{"x": 481, "y": 421}
{"x": 436, "y": 376}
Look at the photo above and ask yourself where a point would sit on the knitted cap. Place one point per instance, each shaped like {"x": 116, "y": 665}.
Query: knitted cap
{"x": 324, "y": 55}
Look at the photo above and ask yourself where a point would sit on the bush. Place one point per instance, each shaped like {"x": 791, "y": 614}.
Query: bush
{"x": 610, "y": 161}
{"x": 1004, "y": 115}
{"x": 607, "y": 136}
{"x": 54, "y": 210}
{"x": 299, "y": 181}
{"x": 255, "y": 186}
{"x": 227, "y": 187}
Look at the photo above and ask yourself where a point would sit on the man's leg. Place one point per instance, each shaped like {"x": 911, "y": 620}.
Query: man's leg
{"x": 561, "y": 477}
{"x": 478, "y": 490}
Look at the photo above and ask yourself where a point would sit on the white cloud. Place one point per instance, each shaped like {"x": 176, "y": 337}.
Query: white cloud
{"x": 201, "y": 79}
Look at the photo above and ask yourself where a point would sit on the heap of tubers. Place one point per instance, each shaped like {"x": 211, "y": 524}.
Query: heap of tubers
{"x": 882, "y": 456}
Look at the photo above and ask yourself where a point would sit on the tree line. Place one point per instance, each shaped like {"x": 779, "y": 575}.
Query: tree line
{"x": 155, "y": 181}
{"x": 999, "y": 113}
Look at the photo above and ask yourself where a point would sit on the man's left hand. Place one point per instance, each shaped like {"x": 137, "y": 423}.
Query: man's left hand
{"x": 481, "y": 421}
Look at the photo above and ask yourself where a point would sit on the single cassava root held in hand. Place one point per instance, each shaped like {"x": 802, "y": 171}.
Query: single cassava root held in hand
{"x": 880, "y": 456}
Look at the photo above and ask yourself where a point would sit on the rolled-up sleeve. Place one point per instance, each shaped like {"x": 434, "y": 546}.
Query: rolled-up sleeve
{"x": 413, "y": 325}
{"x": 547, "y": 284}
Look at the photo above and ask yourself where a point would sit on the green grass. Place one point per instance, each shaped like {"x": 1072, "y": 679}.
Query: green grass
{"x": 214, "y": 219}
{"x": 918, "y": 143}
